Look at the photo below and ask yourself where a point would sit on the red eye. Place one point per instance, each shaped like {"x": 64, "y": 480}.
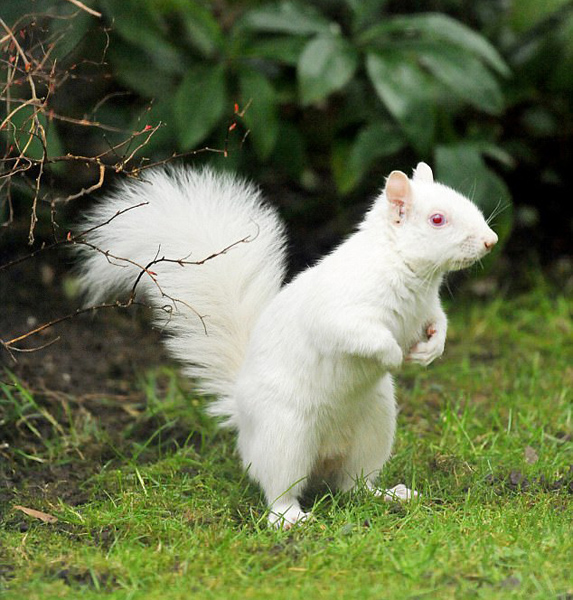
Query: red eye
{"x": 438, "y": 220}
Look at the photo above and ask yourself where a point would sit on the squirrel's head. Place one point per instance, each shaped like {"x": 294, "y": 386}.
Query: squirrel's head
{"x": 434, "y": 227}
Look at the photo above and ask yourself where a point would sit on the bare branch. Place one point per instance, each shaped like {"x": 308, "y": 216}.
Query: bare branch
{"x": 33, "y": 72}
{"x": 81, "y": 5}
{"x": 92, "y": 188}
{"x": 9, "y": 345}
{"x": 69, "y": 239}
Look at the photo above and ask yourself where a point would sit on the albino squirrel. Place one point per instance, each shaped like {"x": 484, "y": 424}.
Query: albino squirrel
{"x": 302, "y": 370}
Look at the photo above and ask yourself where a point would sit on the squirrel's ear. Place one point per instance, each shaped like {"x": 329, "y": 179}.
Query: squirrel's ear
{"x": 399, "y": 195}
{"x": 423, "y": 173}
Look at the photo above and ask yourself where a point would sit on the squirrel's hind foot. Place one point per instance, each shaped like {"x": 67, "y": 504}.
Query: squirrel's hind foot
{"x": 284, "y": 518}
{"x": 398, "y": 493}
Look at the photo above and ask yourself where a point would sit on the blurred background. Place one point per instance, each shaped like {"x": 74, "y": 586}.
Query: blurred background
{"x": 316, "y": 101}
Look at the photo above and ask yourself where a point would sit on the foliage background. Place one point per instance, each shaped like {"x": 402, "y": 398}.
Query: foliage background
{"x": 317, "y": 101}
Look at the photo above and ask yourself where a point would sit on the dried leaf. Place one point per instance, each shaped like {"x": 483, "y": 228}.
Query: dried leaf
{"x": 37, "y": 514}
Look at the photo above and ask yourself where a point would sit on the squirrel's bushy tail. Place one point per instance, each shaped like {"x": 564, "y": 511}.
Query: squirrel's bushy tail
{"x": 204, "y": 251}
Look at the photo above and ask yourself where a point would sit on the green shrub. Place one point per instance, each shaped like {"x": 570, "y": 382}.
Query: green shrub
{"x": 339, "y": 87}
{"x": 371, "y": 84}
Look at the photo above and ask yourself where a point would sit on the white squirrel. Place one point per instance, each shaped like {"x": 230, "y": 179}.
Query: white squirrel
{"x": 302, "y": 371}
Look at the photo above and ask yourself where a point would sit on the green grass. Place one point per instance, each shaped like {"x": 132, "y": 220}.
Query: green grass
{"x": 160, "y": 508}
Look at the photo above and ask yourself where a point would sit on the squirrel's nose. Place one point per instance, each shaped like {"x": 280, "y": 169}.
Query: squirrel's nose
{"x": 490, "y": 242}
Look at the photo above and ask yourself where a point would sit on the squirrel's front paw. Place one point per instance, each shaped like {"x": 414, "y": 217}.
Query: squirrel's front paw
{"x": 426, "y": 352}
{"x": 392, "y": 357}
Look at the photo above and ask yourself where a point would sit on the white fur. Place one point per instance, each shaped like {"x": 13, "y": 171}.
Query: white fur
{"x": 302, "y": 372}
{"x": 208, "y": 310}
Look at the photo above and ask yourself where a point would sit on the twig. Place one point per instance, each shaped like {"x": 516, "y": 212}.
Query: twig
{"x": 35, "y": 127}
{"x": 81, "y": 5}
{"x": 9, "y": 344}
{"x": 31, "y": 64}
{"x": 69, "y": 239}
{"x": 37, "y": 348}
{"x": 92, "y": 188}
{"x": 144, "y": 270}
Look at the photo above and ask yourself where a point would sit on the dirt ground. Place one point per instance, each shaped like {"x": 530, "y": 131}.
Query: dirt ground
{"x": 79, "y": 362}
{"x": 89, "y": 353}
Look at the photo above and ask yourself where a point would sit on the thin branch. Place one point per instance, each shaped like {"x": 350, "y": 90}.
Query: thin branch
{"x": 92, "y": 188}
{"x": 32, "y": 65}
{"x": 36, "y": 349}
{"x": 69, "y": 239}
{"x": 81, "y": 5}
{"x": 9, "y": 344}
{"x": 176, "y": 155}
{"x": 144, "y": 270}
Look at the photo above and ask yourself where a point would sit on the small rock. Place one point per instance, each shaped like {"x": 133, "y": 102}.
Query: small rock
{"x": 531, "y": 456}
{"x": 510, "y": 583}
{"x": 516, "y": 478}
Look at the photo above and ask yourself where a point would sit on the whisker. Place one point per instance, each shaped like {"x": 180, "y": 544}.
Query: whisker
{"x": 500, "y": 207}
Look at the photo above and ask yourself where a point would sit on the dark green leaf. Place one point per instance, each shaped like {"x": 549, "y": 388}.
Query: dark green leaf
{"x": 439, "y": 27}
{"x": 358, "y": 105}
{"x": 163, "y": 141}
{"x": 465, "y": 76}
{"x": 374, "y": 141}
{"x": 65, "y": 30}
{"x": 528, "y": 13}
{"x": 365, "y": 12}
{"x": 405, "y": 90}
{"x": 288, "y": 17}
{"x": 561, "y": 77}
{"x": 327, "y": 64}
{"x": 199, "y": 104}
{"x": 136, "y": 23}
{"x": 261, "y": 114}
{"x": 53, "y": 142}
{"x": 203, "y": 30}
{"x": 137, "y": 74}
{"x": 497, "y": 153}
{"x": 286, "y": 50}
{"x": 26, "y": 132}
{"x": 13, "y": 10}
{"x": 69, "y": 33}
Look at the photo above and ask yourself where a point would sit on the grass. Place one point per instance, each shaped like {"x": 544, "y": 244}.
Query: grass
{"x": 151, "y": 501}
